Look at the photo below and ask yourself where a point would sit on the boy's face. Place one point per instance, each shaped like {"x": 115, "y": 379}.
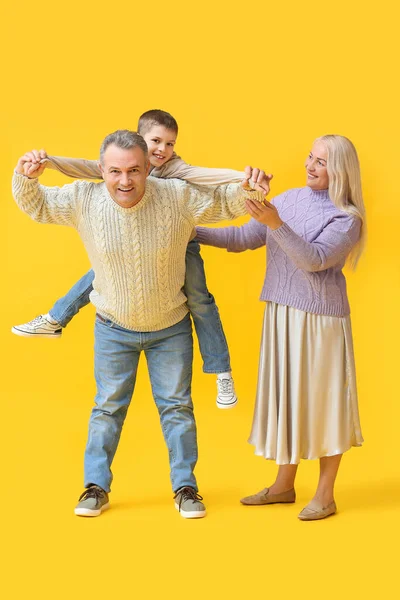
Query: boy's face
{"x": 160, "y": 142}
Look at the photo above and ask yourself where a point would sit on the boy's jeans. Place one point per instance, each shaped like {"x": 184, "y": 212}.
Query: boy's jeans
{"x": 169, "y": 354}
{"x": 202, "y": 306}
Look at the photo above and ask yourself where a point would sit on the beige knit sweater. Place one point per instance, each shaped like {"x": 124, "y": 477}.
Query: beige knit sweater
{"x": 138, "y": 253}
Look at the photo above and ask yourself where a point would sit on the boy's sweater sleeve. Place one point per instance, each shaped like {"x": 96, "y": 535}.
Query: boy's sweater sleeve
{"x": 179, "y": 169}
{"x": 330, "y": 248}
{"x": 250, "y": 236}
{"x": 206, "y": 204}
{"x": 48, "y": 204}
{"x": 79, "y": 168}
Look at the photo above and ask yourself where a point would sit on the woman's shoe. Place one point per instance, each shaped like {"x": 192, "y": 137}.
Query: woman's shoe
{"x": 264, "y": 497}
{"x": 310, "y": 514}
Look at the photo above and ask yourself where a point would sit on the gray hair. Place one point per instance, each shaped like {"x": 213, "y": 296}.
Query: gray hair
{"x": 125, "y": 139}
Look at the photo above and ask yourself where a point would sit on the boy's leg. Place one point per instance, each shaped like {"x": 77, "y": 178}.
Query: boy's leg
{"x": 169, "y": 355}
{"x": 117, "y": 354}
{"x": 69, "y": 305}
{"x": 212, "y": 341}
{"x": 50, "y": 324}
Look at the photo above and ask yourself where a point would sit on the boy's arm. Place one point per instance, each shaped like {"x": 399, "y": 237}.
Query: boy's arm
{"x": 178, "y": 169}
{"x": 79, "y": 168}
{"x": 45, "y": 204}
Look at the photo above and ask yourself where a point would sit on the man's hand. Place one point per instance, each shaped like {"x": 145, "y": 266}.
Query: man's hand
{"x": 264, "y": 212}
{"x": 30, "y": 164}
{"x": 259, "y": 179}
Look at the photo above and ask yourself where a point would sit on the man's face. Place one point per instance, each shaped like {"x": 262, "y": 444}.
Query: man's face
{"x": 160, "y": 142}
{"x": 125, "y": 173}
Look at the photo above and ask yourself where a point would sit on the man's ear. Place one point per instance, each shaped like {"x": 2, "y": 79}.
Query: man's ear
{"x": 101, "y": 168}
{"x": 148, "y": 167}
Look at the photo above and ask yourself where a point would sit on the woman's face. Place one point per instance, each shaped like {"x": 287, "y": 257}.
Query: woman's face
{"x": 317, "y": 172}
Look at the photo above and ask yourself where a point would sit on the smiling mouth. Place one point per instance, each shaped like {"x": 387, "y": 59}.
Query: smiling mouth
{"x": 125, "y": 191}
{"x": 311, "y": 176}
{"x": 158, "y": 156}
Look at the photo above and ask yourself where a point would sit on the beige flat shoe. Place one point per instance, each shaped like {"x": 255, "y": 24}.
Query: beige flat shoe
{"x": 264, "y": 497}
{"x": 310, "y": 514}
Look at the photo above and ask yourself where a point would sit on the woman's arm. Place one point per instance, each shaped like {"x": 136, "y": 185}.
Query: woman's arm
{"x": 250, "y": 236}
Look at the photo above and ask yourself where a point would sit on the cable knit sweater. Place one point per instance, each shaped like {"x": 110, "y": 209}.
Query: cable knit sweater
{"x": 305, "y": 255}
{"x": 138, "y": 253}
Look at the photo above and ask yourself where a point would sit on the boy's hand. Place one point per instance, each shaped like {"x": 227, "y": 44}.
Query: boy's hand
{"x": 260, "y": 180}
{"x": 30, "y": 164}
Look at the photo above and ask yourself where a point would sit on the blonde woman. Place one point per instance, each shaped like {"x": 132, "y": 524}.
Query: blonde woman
{"x": 306, "y": 406}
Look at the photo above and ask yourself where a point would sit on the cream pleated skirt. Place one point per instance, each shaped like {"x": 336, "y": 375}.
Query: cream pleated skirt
{"x": 306, "y": 405}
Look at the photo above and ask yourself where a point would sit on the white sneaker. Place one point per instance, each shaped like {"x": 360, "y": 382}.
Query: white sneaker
{"x": 41, "y": 326}
{"x": 226, "y": 397}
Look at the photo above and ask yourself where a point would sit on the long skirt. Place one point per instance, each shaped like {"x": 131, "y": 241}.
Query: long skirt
{"x": 306, "y": 405}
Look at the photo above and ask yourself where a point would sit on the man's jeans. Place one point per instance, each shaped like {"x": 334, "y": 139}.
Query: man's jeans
{"x": 202, "y": 306}
{"x": 169, "y": 355}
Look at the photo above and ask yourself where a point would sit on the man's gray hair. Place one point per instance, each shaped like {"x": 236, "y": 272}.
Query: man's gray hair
{"x": 125, "y": 139}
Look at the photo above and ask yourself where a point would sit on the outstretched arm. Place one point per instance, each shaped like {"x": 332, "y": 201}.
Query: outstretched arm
{"x": 78, "y": 168}
{"x": 44, "y": 204}
{"x": 250, "y": 236}
{"x": 212, "y": 204}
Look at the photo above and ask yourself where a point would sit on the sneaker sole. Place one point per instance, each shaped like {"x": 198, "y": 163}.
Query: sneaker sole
{"x": 43, "y": 335}
{"x": 87, "y": 512}
{"x": 226, "y": 406}
{"x": 191, "y": 514}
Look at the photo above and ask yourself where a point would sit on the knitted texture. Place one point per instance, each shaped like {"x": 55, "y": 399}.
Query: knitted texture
{"x": 138, "y": 253}
{"x": 305, "y": 256}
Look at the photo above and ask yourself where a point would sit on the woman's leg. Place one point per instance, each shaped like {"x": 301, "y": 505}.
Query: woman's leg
{"x": 329, "y": 466}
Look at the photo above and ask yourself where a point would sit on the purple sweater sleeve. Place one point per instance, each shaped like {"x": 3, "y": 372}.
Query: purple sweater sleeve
{"x": 330, "y": 248}
{"x": 250, "y": 236}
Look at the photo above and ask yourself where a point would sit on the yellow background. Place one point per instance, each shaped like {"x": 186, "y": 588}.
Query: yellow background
{"x": 248, "y": 83}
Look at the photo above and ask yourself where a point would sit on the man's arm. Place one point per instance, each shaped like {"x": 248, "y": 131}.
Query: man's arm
{"x": 44, "y": 204}
{"x": 225, "y": 202}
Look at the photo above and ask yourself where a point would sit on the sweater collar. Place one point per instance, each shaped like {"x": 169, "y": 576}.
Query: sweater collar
{"x": 320, "y": 195}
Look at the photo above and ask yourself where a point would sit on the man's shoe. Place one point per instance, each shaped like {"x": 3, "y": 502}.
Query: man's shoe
{"x": 41, "y": 326}
{"x": 264, "y": 497}
{"x": 310, "y": 514}
{"x": 189, "y": 504}
{"x": 226, "y": 396}
{"x": 92, "y": 502}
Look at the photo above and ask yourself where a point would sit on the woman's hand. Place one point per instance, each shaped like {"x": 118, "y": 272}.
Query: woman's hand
{"x": 264, "y": 213}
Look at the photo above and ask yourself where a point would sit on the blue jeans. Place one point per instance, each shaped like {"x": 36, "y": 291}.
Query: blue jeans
{"x": 169, "y": 354}
{"x": 212, "y": 341}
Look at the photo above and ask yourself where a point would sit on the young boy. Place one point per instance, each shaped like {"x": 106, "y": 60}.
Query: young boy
{"x": 160, "y": 130}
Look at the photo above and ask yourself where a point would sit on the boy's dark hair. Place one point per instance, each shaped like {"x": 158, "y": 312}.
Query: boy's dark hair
{"x": 156, "y": 117}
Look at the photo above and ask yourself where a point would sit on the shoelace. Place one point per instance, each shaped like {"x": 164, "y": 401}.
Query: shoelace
{"x": 225, "y": 386}
{"x": 37, "y": 320}
{"x": 92, "y": 492}
{"x": 187, "y": 493}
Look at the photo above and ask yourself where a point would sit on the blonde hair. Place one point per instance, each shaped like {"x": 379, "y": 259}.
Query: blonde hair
{"x": 345, "y": 185}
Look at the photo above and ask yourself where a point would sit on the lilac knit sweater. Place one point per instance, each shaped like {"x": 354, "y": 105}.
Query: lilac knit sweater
{"x": 305, "y": 255}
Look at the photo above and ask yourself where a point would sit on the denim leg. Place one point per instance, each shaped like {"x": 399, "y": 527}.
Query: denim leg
{"x": 117, "y": 354}
{"x": 169, "y": 355}
{"x": 212, "y": 341}
{"x": 69, "y": 305}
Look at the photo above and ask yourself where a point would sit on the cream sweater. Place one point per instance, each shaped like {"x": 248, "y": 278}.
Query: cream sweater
{"x": 138, "y": 253}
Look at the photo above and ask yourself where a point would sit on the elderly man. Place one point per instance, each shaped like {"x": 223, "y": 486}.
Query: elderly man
{"x": 136, "y": 230}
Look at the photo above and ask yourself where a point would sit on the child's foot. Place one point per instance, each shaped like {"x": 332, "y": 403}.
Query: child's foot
{"x": 226, "y": 396}
{"x": 41, "y": 326}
